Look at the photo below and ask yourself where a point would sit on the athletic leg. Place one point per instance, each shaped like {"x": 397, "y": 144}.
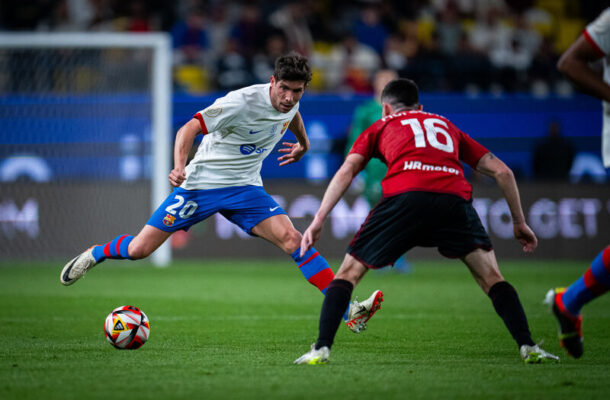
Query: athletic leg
{"x": 278, "y": 229}
{"x": 121, "y": 247}
{"x": 337, "y": 298}
{"x": 565, "y": 304}
{"x": 592, "y": 284}
{"x": 484, "y": 268}
{"x": 129, "y": 247}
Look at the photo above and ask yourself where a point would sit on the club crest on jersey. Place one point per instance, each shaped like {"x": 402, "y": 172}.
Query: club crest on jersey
{"x": 213, "y": 111}
{"x": 169, "y": 220}
{"x": 285, "y": 126}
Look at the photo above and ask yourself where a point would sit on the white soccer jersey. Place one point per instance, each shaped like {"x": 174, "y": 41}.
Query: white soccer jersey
{"x": 597, "y": 34}
{"x": 240, "y": 130}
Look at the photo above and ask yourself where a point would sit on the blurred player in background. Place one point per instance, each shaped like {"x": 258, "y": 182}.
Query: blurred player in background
{"x": 240, "y": 130}
{"x": 426, "y": 202}
{"x": 593, "y": 45}
{"x": 364, "y": 116}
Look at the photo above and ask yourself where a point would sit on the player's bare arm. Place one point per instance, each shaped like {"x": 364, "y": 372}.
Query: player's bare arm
{"x": 492, "y": 166}
{"x": 294, "y": 151}
{"x": 575, "y": 64}
{"x": 183, "y": 144}
{"x": 353, "y": 164}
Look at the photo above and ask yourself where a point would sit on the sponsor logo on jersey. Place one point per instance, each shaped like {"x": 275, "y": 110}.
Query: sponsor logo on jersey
{"x": 213, "y": 111}
{"x": 169, "y": 220}
{"x": 246, "y": 149}
{"x": 254, "y": 132}
{"x": 419, "y": 166}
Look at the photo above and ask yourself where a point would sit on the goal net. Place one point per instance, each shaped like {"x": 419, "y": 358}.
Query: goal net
{"x": 85, "y": 140}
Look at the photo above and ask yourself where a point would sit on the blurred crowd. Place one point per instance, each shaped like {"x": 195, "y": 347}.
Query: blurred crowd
{"x": 445, "y": 45}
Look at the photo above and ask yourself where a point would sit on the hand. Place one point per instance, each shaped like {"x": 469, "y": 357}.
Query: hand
{"x": 311, "y": 235}
{"x": 177, "y": 176}
{"x": 526, "y": 237}
{"x": 295, "y": 152}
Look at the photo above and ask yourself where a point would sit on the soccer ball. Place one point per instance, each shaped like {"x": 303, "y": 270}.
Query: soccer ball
{"x": 127, "y": 327}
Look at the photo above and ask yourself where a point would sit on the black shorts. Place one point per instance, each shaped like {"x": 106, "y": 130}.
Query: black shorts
{"x": 399, "y": 223}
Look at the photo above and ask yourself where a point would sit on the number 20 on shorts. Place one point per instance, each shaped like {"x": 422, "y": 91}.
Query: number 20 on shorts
{"x": 186, "y": 210}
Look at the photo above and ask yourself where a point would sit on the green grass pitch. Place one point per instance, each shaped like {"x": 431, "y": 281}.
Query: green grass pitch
{"x": 231, "y": 329}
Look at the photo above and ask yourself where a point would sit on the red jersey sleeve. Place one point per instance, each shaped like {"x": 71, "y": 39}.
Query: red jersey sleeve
{"x": 366, "y": 142}
{"x": 471, "y": 151}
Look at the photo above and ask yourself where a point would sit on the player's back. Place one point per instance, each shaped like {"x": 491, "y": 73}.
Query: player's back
{"x": 423, "y": 152}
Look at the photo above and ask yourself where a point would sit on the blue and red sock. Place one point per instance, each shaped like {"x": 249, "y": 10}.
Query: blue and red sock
{"x": 116, "y": 249}
{"x": 316, "y": 270}
{"x": 594, "y": 283}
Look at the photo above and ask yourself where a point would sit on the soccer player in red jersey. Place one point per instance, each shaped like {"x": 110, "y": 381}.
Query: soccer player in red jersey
{"x": 426, "y": 202}
{"x": 575, "y": 63}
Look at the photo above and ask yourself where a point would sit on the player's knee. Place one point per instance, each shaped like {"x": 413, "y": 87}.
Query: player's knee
{"x": 138, "y": 250}
{"x": 291, "y": 241}
{"x": 490, "y": 279}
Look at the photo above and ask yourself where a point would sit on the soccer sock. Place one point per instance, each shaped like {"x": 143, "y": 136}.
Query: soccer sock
{"x": 337, "y": 298}
{"x": 594, "y": 283}
{"x": 316, "y": 270}
{"x": 508, "y": 306}
{"x": 115, "y": 249}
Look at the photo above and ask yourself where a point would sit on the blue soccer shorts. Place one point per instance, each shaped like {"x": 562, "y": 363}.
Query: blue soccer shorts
{"x": 245, "y": 206}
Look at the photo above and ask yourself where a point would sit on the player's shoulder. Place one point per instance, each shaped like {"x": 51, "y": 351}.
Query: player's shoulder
{"x": 604, "y": 15}
{"x": 244, "y": 95}
{"x": 601, "y": 24}
{"x": 250, "y": 92}
{"x": 242, "y": 101}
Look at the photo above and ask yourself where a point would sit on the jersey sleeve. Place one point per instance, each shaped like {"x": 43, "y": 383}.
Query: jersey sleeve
{"x": 365, "y": 143}
{"x": 471, "y": 151}
{"x": 219, "y": 115}
{"x": 597, "y": 33}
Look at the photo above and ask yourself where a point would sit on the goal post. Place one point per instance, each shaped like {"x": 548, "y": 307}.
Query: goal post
{"x": 160, "y": 82}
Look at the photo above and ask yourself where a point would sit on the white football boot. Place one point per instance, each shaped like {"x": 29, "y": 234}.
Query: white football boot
{"x": 314, "y": 357}
{"x": 360, "y": 312}
{"x": 77, "y": 267}
{"x": 534, "y": 354}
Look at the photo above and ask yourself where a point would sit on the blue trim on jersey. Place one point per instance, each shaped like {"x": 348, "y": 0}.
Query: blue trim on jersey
{"x": 245, "y": 206}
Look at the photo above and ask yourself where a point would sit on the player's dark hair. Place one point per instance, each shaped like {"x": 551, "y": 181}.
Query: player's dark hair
{"x": 401, "y": 93}
{"x": 292, "y": 67}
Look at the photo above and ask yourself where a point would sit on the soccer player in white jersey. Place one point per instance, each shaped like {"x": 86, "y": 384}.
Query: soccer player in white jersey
{"x": 240, "y": 130}
{"x": 575, "y": 63}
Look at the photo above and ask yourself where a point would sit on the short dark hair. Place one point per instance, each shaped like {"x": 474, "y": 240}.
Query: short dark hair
{"x": 292, "y": 67}
{"x": 401, "y": 93}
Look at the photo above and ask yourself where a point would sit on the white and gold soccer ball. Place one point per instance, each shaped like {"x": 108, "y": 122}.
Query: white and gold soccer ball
{"x": 127, "y": 328}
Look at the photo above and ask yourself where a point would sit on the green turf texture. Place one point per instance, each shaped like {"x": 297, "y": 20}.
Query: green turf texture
{"x": 231, "y": 330}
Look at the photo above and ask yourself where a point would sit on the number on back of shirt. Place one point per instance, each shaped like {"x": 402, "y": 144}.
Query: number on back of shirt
{"x": 433, "y": 128}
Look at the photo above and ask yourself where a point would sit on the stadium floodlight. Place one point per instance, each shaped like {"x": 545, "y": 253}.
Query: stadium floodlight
{"x": 64, "y": 66}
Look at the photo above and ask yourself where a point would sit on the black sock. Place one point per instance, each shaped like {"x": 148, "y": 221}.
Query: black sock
{"x": 338, "y": 294}
{"x": 506, "y": 302}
